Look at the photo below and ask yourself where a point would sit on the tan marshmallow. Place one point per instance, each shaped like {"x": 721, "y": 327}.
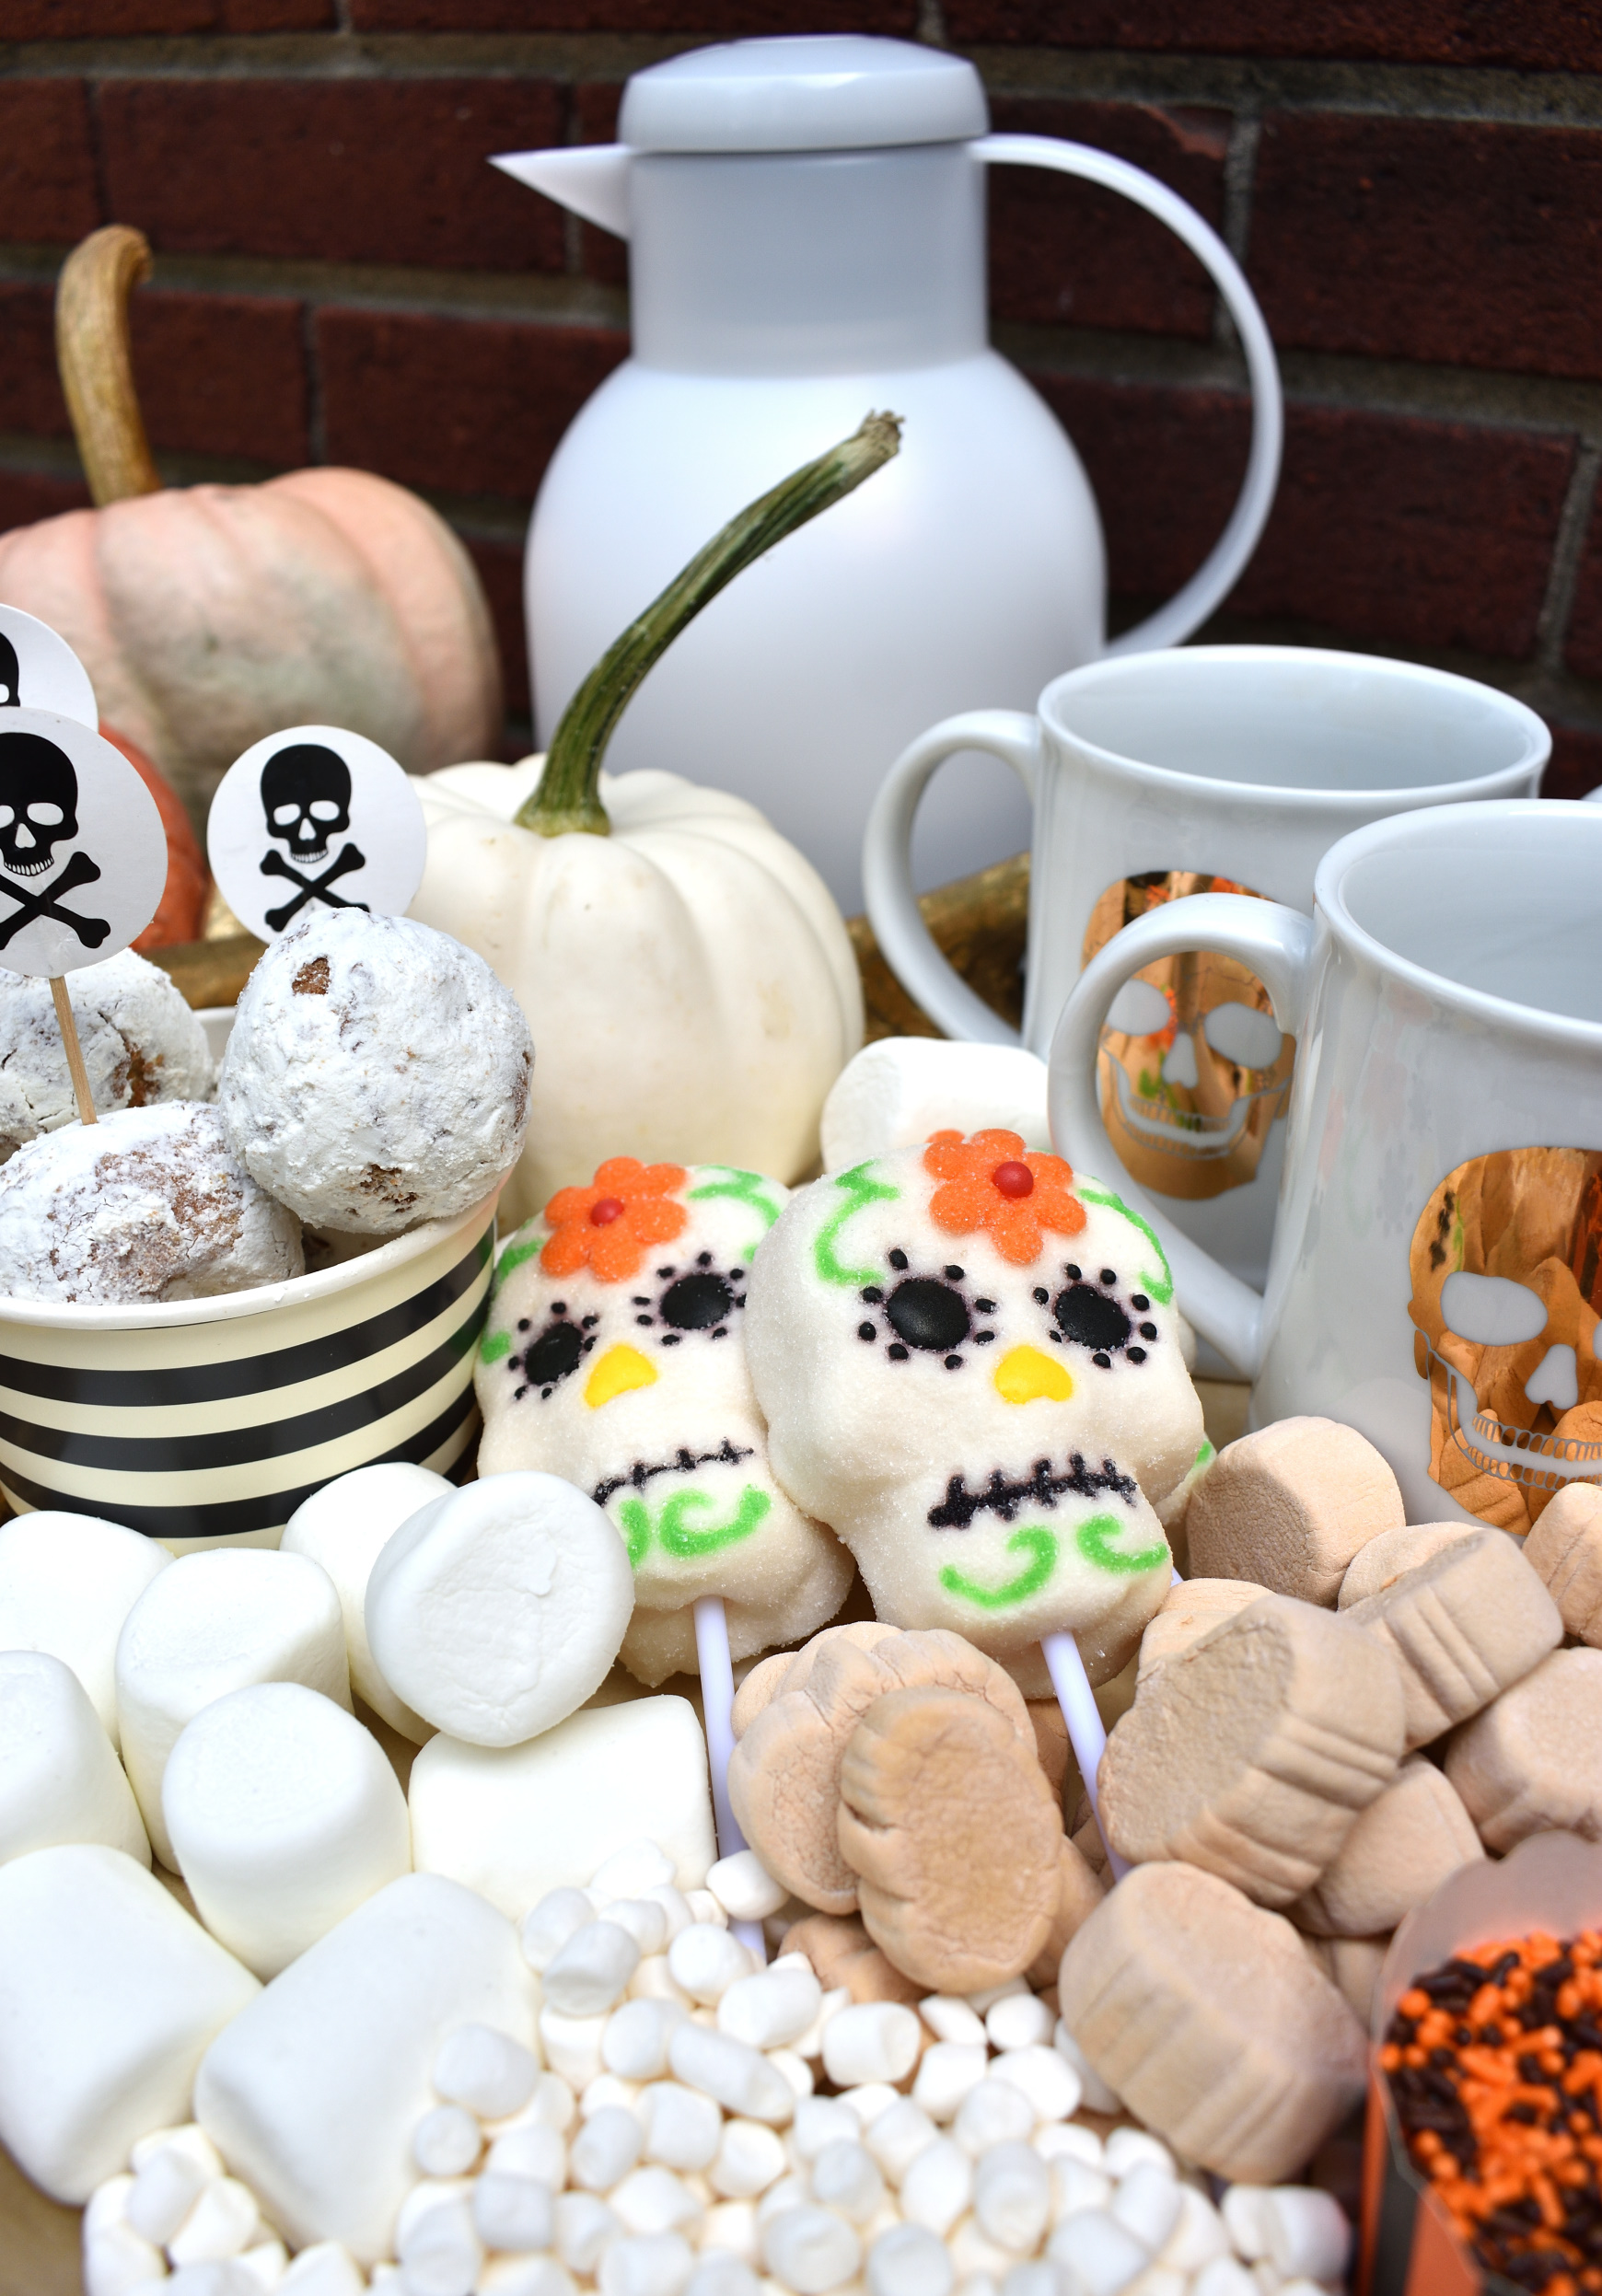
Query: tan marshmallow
{"x": 1533, "y": 1761}
{"x": 1399, "y": 1851}
{"x": 783, "y": 1777}
{"x": 955, "y": 1835}
{"x": 841, "y": 1953}
{"x": 1290, "y": 1506}
{"x": 1192, "y": 1609}
{"x": 1463, "y": 1626}
{"x": 1384, "y": 1559}
{"x": 1356, "y": 1964}
{"x": 1051, "y": 1741}
{"x": 1565, "y": 1551}
{"x": 1081, "y": 1887}
{"x": 1206, "y": 2015}
{"x": 1251, "y": 1753}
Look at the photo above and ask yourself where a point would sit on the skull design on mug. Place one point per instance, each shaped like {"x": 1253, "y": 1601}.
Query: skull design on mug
{"x": 615, "y": 1357}
{"x": 969, "y": 1363}
{"x": 1506, "y": 1284}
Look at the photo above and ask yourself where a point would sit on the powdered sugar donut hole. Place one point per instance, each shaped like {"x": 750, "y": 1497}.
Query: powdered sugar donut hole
{"x": 377, "y": 1074}
{"x": 148, "y": 1204}
{"x": 140, "y": 1044}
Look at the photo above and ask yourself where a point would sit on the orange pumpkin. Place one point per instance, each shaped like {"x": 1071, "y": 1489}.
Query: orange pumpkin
{"x": 181, "y": 912}
{"x": 208, "y": 616}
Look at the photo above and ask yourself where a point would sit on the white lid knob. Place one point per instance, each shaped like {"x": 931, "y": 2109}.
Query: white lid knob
{"x": 832, "y": 92}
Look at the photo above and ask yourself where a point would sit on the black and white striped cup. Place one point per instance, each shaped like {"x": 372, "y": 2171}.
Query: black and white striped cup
{"x": 208, "y": 1422}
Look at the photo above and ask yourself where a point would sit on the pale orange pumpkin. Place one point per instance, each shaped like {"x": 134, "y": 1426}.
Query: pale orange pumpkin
{"x": 208, "y": 616}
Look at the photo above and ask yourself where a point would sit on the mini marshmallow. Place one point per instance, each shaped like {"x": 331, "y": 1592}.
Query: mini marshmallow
{"x": 871, "y": 2041}
{"x": 899, "y": 2136}
{"x": 67, "y": 1581}
{"x": 899, "y": 1089}
{"x": 109, "y": 1993}
{"x": 513, "y": 2212}
{"x": 744, "y": 1887}
{"x": 531, "y": 2150}
{"x": 345, "y": 1526}
{"x": 646, "y": 2263}
{"x": 632, "y": 1871}
{"x": 1043, "y": 2077}
{"x": 644, "y": 1919}
{"x": 1019, "y": 2020}
{"x": 164, "y": 2192}
{"x": 683, "y": 2128}
{"x": 949, "y": 2018}
{"x": 547, "y": 1927}
{"x": 572, "y": 2046}
{"x": 1095, "y": 2094}
{"x": 498, "y": 1609}
{"x": 937, "y": 2187}
{"x": 634, "y": 2042}
{"x": 1290, "y": 1505}
{"x": 993, "y": 2112}
{"x": 772, "y": 2009}
{"x": 1532, "y": 1761}
{"x": 1012, "y": 2197}
{"x": 1382, "y": 1562}
{"x": 1098, "y": 2254}
{"x": 909, "y": 2261}
{"x": 583, "y": 2227}
{"x": 1147, "y": 2204}
{"x": 1301, "y": 2231}
{"x": 116, "y": 2260}
{"x": 223, "y": 2223}
{"x": 605, "y": 2091}
{"x": 1128, "y": 2148}
{"x": 592, "y": 1970}
{"x": 446, "y": 2141}
{"x": 326, "y": 2269}
{"x": 749, "y": 2158}
{"x": 732, "y": 2227}
{"x": 847, "y": 2178}
{"x": 215, "y": 1622}
{"x": 946, "y": 2074}
{"x": 59, "y": 1779}
{"x": 810, "y": 2251}
{"x": 654, "y": 2200}
{"x": 314, "y": 2092}
{"x": 514, "y": 1823}
{"x": 284, "y": 1815}
{"x": 742, "y": 2082}
{"x": 606, "y": 2148}
{"x": 441, "y": 2254}
{"x": 706, "y": 1962}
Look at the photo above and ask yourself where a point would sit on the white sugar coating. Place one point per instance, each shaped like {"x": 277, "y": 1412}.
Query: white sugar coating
{"x": 148, "y": 1204}
{"x": 377, "y": 1073}
{"x": 140, "y": 1044}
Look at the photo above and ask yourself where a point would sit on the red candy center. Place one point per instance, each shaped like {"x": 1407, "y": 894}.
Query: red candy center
{"x": 606, "y": 1208}
{"x": 1012, "y": 1180}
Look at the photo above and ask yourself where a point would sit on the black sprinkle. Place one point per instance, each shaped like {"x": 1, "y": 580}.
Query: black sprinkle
{"x": 954, "y": 1363}
{"x": 895, "y": 1352}
{"x": 897, "y": 1259}
{"x": 1138, "y": 1302}
{"x": 1102, "y": 1362}
{"x": 867, "y": 1331}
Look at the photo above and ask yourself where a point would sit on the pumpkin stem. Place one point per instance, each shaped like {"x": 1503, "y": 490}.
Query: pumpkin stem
{"x": 568, "y": 797}
{"x": 97, "y": 368}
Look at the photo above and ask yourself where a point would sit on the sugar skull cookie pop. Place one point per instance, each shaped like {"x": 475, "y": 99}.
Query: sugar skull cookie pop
{"x": 615, "y": 1357}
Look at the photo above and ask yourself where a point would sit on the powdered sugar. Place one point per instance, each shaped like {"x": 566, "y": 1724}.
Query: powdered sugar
{"x": 377, "y": 1074}
{"x": 148, "y": 1204}
{"x": 141, "y": 1045}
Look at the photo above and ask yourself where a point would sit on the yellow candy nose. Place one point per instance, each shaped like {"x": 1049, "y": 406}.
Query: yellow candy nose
{"x": 1024, "y": 1375}
{"x": 620, "y": 1369}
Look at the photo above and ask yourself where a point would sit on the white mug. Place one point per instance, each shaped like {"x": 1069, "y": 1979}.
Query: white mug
{"x": 1160, "y": 775}
{"x": 1437, "y": 1254}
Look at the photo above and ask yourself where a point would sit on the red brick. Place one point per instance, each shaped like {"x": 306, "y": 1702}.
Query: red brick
{"x": 459, "y": 406}
{"x": 1582, "y": 648}
{"x": 1405, "y": 533}
{"x": 27, "y": 496}
{"x": 724, "y": 19}
{"x": 47, "y": 166}
{"x": 1576, "y": 763}
{"x": 500, "y": 566}
{"x": 109, "y": 19}
{"x": 216, "y": 375}
{"x": 1066, "y": 251}
{"x": 1538, "y": 35}
{"x": 1465, "y": 242}
{"x": 350, "y": 170}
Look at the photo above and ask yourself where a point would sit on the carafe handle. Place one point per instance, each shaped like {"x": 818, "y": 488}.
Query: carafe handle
{"x": 1215, "y": 576}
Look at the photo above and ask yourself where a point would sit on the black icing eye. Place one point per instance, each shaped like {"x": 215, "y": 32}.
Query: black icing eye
{"x": 1090, "y": 1317}
{"x": 927, "y": 1313}
{"x": 696, "y": 1303}
{"x": 552, "y": 1356}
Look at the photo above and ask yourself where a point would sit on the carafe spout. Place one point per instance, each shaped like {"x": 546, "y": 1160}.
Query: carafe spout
{"x": 592, "y": 180}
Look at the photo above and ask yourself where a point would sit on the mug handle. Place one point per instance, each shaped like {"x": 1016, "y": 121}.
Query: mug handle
{"x": 1215, "y": 576}
{"x": 1278, "y": 944}
{"x": 908, "y": 944}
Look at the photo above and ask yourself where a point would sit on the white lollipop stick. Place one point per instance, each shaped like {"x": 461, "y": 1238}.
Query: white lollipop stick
{"x": 717, "y": 1709}
{"x": 1085, "y": 1734}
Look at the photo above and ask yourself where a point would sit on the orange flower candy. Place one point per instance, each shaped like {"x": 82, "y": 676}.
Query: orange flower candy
{"x": 991, "y": 1182}
{"x": 610, "y": 1225}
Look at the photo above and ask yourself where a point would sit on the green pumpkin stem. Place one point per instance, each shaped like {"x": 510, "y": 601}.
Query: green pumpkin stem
{"x": 568, "y": 795}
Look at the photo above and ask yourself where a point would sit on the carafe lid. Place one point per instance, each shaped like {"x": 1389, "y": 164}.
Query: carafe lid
{"x": 832, "y": 92}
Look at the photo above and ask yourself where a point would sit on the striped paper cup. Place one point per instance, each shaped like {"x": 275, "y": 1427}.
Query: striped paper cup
{"x": 208, "y": 1422}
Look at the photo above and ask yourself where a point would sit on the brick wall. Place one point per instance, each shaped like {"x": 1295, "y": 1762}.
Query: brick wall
{"x": 1414, "y": 186}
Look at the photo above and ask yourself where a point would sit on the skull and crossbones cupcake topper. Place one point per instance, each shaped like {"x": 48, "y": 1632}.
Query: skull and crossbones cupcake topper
{"x": 39, "y": 670}
{"x": 315, "y": 817}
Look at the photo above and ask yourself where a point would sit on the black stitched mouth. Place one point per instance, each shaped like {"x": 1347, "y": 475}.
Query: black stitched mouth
{"x": 1039, "y": 1487}
{"x": 683, "y": 1463}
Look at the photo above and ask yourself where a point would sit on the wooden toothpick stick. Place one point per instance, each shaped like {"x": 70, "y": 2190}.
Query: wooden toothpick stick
{"x": 74, "y": 1051}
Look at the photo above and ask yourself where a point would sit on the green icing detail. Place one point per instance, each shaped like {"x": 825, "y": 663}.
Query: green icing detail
{"x": 636, "y": 1522}
{"x": 516, "y": 1253}
{"x": 1094, "y": 1542}
{"x": 1160, "y": 1287}
{"x": 685, "y": 1545}
{"x": 1038, "y": 1543}
{"x": 741, "y": 1187}
{"x": 1205, "y": 1456}
{"x": 860, "y": 1191}
{"x": 494, "y": 1345}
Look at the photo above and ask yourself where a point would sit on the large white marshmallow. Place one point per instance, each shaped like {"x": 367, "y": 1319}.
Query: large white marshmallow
{"x": 345, "y": 1526}
{"x": 500, "y": 1608}
{"x": 109, "y": 1993}
{"x": 312, "y": 2096}
{"x": 899, "y": 1090}
{"x": 66, "y": 1583}
{"x": 284, "y": 1815}
{"x": 58, "y": 1778}
{"x": 518, "y": 1822}
{"x": 215, "y": 1623}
